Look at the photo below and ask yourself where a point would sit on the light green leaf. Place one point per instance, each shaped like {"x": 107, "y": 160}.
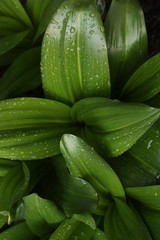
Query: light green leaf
{"x": 79, "y": 227}
{"x": 22, "y": 75}
{"x": 111, "y": 126}
{"x": 75, "y": 36}
{"x": 144, "y": 83}
{"x": 41, "y": 215}
{"x": 10, "y": 41}
{"x": 18, "y": 232}
{"x": 84, "y": 162}
{"x": 14, "y": 9}
{"x": 121, "y": 223}
{"x": 126, "y": 39}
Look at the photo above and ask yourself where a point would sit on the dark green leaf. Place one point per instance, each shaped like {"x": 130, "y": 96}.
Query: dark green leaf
{"x": 6, "y": 165}
{"x": 121, "y": 223}
{"x": 126, "y": 39}
{"x": 75, "y": 36}
{"x": 144, "y": 83}
{"x": 14, "y": 9}
{"x": 99, "y": 235}
{"x": 22, "y": 75}
{"x": 9, "y": 25}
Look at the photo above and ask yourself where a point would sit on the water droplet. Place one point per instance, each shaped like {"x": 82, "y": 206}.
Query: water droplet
{"x": 72, "y": 29}
{"x": 91, "y": 32}
{"x": 92, "y": 14}
{"x": 54, "y": 21}
{"x": 102, "y": 29}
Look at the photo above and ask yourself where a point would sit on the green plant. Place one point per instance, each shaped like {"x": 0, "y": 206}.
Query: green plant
{"x": 82, "y": 163}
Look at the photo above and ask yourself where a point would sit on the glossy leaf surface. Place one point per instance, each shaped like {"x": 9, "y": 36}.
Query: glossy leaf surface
{"x": 75, "y": 36}
{"x": 144, "y": 83}
{"x": 111, "y": 126}
{"x": 41, "y": 215}
{"x": 126, "y": 39}
{"x": 84, "y": 162}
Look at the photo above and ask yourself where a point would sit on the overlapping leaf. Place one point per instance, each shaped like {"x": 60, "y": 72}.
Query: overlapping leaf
{"x": 31, "y": 128}
{"x": 126, "y": 39}
{"x": 112, "y": 127}
{"x": 42, "y": 215}
{"x": 84, "y": 162}
{"x": 75, "y": 36}
{"x": 121, "y": 222}
{"x": 144, "y": 83}
{"x": 23, "y": 75}
{"x": 19, "y": 231}
{"x": 80, "y": 227}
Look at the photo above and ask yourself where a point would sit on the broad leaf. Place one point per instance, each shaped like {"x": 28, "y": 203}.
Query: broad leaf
{"x": 31, "y": 128}
{"x": 121, "y": 223}
{"x": 144, "y": 83}
{"x": 14, "y": 9}
{"x": 75, "y": 36}
{"x": 79, "y": 227}
{"x": 111, "y": 126}
{"x": 42, "y": 215}
{"x": 19, "y": 231}
{"x": 84, "y": 162}
{"x": 22, "y": 75}
{"x": 126, "y": 39}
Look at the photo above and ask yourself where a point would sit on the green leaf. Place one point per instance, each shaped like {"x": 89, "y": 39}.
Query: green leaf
{"x": 147, "y": 195}
{"x": 6, "y": 165}
{"x": 99, "y": 235}
{"x": 50, "y": 10}
{"x": 31, "y": 128}
{"x": 36, "y": 10}
{"x": 10, "y": 41}
{"x": 8, "y": 57}
{"x": 41, "y": 215}
{"x": 9, "y": 25}
{"x": 22, "y": 75}
{"x": 75, "y": 36}
{"x": 152, "y": 220}
{"x": 126, "y": 39}
{"x": 111, "y": 126}
{"x": 15, "y": 10}
{"x": 18, "y": 232}
{"x": 16, "y": 182}
{"x": 144, "y": 83}
{"x": 79, "y": 227}
{"x": 121, "y": 222}
{"x": 84, "y": 162}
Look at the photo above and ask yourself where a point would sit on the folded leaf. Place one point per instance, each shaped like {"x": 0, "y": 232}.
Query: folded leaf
{"x": 126, "y": 39}
{"x": 84, "y": 162}
{"x": 121, "y": 223}
{"x": 75, "y": 36}
{"x": 10, "y": 25}
{"x": 14, "y": 9}
{"x": 22, "y": 75}
{"x": 80, "y": 227}
{"x": 41, "y": 215}
{"x": 6, "y": 165}
{"x": 111, "y": 126}
{"x": 19, "y": 231}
